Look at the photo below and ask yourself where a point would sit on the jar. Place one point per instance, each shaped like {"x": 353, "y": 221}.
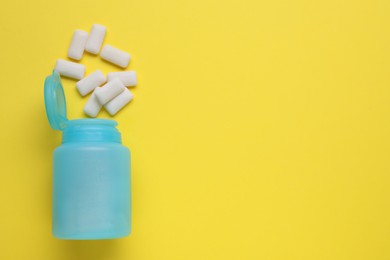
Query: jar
{"x": 91, "y": 174}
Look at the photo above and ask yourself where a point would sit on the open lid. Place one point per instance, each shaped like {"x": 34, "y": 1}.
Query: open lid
{"x": 55, "y": 102}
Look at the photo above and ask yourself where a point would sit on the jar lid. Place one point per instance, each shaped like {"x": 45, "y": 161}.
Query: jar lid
{"x": 55, "y": 102}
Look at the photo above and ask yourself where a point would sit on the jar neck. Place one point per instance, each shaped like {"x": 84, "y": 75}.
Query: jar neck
{"x": 91, "y": 130}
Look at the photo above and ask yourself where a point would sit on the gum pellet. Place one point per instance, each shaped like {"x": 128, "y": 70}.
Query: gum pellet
{"x": 92, "y": 107}
{"x": 109, "y": 91}
{"x": 70, "y": 69}
{"x": 77, "y": 45}
{"x": 128, "y": 78}
{"x": 90, "y": 82}
{"x": 119, "y": 102}
{"x": 115, "y": 56}
{"x": 96, "y": 38}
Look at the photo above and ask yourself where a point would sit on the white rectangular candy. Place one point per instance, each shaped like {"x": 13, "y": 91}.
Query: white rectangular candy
{"x": 90, "y": 82}
{"x": 95, "y": 39}
{"x": 109, "y": 91}
{"x": 128, "y": 78}
{"x": 119, "y": 102}
{"x": 92, "y": 107}
{"x": 70, "y": 69}
{"x": 77, "y": 45}
{"x": 116, "y": 56}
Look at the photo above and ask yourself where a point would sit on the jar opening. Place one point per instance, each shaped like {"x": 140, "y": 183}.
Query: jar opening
{"x": 91, "y": 130}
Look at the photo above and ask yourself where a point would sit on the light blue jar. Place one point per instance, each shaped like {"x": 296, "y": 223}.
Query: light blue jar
{"x": 91, "y": 174}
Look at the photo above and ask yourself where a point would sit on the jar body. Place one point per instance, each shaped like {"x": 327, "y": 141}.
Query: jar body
{"x": 91, "y": 191}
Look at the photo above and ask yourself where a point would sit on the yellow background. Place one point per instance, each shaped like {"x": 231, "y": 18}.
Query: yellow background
{"x": 259, "y": 129}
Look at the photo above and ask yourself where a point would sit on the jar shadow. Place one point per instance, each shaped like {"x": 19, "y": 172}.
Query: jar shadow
{"x": 97, "y": 250}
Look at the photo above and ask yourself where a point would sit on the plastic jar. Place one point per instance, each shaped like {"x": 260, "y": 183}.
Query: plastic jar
{"x": 91, "y": 174}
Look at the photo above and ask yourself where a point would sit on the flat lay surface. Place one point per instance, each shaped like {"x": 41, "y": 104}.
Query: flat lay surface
{"x": 258, "y": 129}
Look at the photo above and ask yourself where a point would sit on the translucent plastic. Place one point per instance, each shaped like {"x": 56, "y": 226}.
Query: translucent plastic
{"x": 91, "y": 173}
{"x": 91, "y": 182}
